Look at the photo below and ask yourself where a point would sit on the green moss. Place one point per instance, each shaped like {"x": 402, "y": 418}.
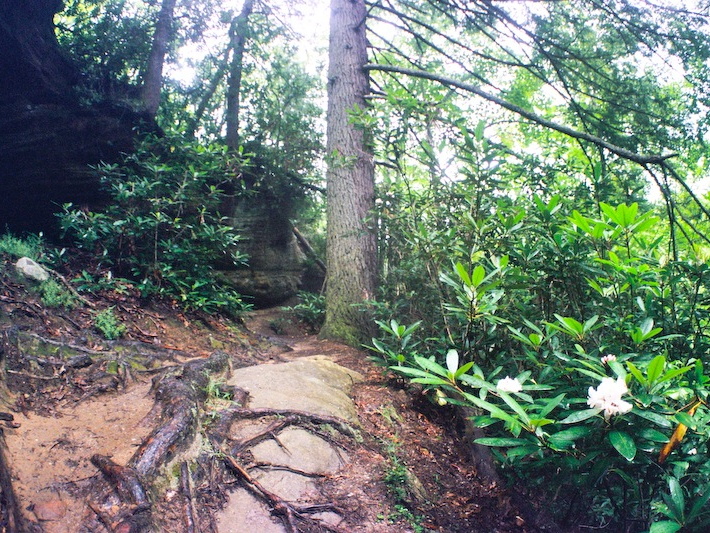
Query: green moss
{"x": 345, "y": 333}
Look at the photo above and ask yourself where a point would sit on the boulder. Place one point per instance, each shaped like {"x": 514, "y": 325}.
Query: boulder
{"x": 28, "y": 268}
{"x": 275, "y": 261}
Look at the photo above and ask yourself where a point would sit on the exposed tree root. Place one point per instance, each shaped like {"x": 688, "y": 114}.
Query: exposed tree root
{"x": 291, "y": 515}
{"x": 10, "y": 513}
{"x": 186, "y": 490}
{"x": 178, "y": 393}
{"x": 135, "y": 514}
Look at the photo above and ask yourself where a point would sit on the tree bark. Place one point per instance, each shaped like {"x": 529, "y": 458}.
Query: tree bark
{"x": 153, "y": 79}
{"x": 351, "y": 244}
{"x": 238, "y": 38}
{"x": 32, "y": 67}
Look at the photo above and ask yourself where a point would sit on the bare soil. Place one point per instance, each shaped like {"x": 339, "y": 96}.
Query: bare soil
{"x": 75, "y": 396}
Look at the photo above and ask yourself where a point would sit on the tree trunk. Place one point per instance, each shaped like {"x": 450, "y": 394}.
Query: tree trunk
{"x": 153, "y": 79}
{"x": 238, "y": 37}
{"x": 32, "y": 67}
{"x": 351, "y": 244}
{"x": 210, "y": 91}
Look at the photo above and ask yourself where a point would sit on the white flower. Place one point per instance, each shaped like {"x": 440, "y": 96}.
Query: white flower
{"x": 452, "y": 361}
{"x": 509, "y": 384}
{"x": 608, "y": 359}
{"x": 607, "y": 396}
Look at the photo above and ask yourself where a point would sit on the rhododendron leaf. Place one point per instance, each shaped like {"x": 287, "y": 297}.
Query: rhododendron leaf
{"x": 624, "y": 444}
{"x": 580, "y": 415}
{"x": 498, "y": 442}
{"x": 666, "y": 526}
{"x": 655, "y": 368}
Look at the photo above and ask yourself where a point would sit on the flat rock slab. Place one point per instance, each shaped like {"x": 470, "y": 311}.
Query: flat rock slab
{"x": 314, "y": 385}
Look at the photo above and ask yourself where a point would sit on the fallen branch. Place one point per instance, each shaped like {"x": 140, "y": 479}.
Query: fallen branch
{"x": 308, "y": 249}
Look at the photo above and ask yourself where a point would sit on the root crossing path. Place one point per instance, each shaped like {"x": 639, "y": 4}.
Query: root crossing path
{"x": 210, "y": 428}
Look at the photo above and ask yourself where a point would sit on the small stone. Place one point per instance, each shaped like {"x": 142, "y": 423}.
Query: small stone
{"x": 51, "y": 510}
{"x": 28, "y": 268}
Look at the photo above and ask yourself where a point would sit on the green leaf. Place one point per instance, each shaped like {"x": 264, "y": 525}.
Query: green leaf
{"x": 515, "y": 406}
{"x": 635, "y": 372}
{"x": 463, "y": 369}
{"x": 653, "y": 435}
{"x": 698, "y": 505}
{"x": 570, "y": 325}
{"x": 685, "y": 419}
{"x": 463, "y": 273}
{"x": 580, "y": 415}
{"x": 657, "y": 419}
{"x": 571, "y": 434}
{"x": 430, "y": 381}
{"x": 665, "y": 526}
{"x": 477, "y": 276}
{"x": 498, "y": 442}
{"x": 554, "y": 402}
{"x": 674, "y": 372}
{"x": 623, "y": 443}
{"x": 522, "y": 451}
{"x": 476, "y": 382}
{"x": 431, "y": 366}
{"x": 494, "y": 410}
{"x": 677, "y": 497}
{"x": 655, "y": 368}
{"x": 408, "y": 371}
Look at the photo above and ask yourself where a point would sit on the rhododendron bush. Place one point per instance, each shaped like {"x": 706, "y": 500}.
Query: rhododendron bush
{"x": 575, "y": 343}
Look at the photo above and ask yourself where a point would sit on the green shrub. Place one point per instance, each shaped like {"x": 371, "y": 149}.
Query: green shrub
{"x": 109, "y": 325}
{"x": 54, "y": 295}
{"x": 582, "y": 346}
{"x": 31, "y": 246}
{"x": 163, "y": 228}
{"x": 310, "y": 310}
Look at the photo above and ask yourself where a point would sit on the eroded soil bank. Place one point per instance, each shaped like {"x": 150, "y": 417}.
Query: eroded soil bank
{"x": 201, "y": 424}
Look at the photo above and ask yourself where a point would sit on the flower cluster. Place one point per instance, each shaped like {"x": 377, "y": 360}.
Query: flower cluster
{"x": 608, "y": 359}
{"x": 509, "y": 384}
{"x": 607, "y": 396}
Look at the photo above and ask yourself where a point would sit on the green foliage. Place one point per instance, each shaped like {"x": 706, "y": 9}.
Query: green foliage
{"x": 310, "y": 310}
{"x": 581, "y": 345}
{"x": 162, "y": 228}
{"x": 216, "y": 389}
{"x": 107, "y": 323}
{"x": 31, "y": 246}
{"x": 55, "y": 295}
{"x": 398, "y": 481}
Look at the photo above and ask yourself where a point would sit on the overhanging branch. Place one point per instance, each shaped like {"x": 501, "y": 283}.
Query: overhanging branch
{"x": 533, "y": 117}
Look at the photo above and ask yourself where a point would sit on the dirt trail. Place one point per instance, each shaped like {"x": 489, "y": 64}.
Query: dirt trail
{"x": 403, "y": 467}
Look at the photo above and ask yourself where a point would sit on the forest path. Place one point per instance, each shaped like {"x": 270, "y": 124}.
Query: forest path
{"x": 153, "y": 433}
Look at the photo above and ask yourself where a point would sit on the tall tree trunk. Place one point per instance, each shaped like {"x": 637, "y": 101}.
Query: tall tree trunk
{"x": 238, "y": 37}
{"x": 153, "y": 78}
{"x": 351, "y": 244}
